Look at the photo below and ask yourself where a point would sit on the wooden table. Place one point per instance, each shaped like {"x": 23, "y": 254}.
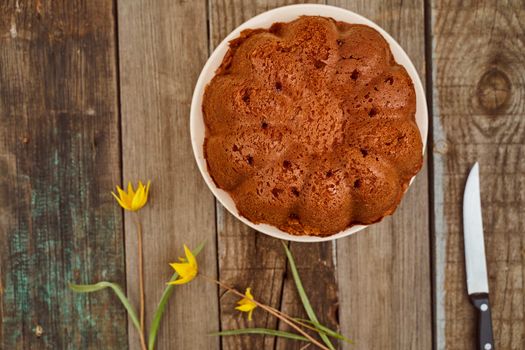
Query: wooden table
{"x": 93, "y": 93}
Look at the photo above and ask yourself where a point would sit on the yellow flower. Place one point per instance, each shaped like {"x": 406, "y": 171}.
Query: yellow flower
{"x": 132, "y": 200}
{"x": 187, "y": 269}
{"x": 247, "y": 304}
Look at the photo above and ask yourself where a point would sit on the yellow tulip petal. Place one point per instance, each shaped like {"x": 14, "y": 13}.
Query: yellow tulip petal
{"x": 145, "y": 197}
{"x": 244, "y": 308}
{"x": 181, "y": 280}
{"x": 120, "y": 202}
{"x": 249, "y": 293}
{"x": 247, "y": 304}
{"x": 183, "y": 269}
{"x": 138, "y": 199}
{"x": 243, "y": 301}
{"x": 147, "y": 189}
{"x": 131, "y": 192}
{"x": 124, "y": 197}
{"x": 186, "y": 269}
{"x": 141, "y": 187}
{"x": 121, "y": 192}
{"x": 190, "y": 256}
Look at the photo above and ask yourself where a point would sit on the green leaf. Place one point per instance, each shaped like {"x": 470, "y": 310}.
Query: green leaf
{"x": 325, "y": 330}
{"x": 304, "y": 298}
{"x": 89, "y": 288}
{"x": 263, "y": 331}
{"x": 155, "y": 323}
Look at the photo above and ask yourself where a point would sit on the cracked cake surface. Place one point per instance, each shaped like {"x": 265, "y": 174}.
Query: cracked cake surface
{"x": 310, "y": 126}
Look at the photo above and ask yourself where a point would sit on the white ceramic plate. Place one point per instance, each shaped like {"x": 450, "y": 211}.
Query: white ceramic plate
{"x": 265, "y": 20}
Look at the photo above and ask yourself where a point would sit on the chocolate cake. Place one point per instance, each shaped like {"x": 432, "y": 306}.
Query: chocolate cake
{"x": 310, "y": 126}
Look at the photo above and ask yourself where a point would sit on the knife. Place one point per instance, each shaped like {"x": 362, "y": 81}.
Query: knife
{"x": 476, "y": 267}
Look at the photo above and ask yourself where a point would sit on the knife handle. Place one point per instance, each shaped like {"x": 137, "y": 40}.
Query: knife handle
{"x": 485, "y": 334}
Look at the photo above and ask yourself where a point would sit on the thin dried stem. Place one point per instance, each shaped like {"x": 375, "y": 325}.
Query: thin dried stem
{"x": 141, "y": 279}
{"x": 306, "y": 346}
{"x": 285, "y": 318}
{"x": 142, "y": 341}
{"x": 305, "y": 325}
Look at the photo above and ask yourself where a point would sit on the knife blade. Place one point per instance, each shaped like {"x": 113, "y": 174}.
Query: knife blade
{"x": 475, "y": 262}
{"x": 476, "y": 266}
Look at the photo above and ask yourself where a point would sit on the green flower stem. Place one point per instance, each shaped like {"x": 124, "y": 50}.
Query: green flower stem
{"x": 304, "y": 298}
{"x": 263, "y": 331}
{"x": 89, "y": 288}
{"x": 320, "y": 328}
{"x": 141, "y": 270}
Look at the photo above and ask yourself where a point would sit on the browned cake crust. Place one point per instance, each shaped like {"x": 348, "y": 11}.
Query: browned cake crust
{"x": 310, "y": 126}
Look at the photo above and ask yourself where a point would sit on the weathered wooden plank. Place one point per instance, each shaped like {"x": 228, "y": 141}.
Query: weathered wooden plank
{"x": 260, "y": 261}
{"x": 59, "y": 158}
{"x": 478, "y": 69}
{"x": 384, "y": 272}
{"x": 162, "y": 47}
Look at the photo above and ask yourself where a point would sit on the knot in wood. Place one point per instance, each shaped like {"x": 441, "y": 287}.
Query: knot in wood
{"x": 39, "y": 331}
{"x": 494, "y": 89}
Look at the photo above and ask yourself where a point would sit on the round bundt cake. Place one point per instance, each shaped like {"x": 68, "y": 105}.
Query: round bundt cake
{"x": 310, "y": 126}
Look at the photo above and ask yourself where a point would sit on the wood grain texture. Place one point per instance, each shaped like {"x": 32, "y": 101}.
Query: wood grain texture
{"x": 59, "y": 158}
{"x": 316, "y": 266}
{"x": 479, "y": 79}
{"x": 162, "y": 48}
{"x": 249, "y": 259}
{"x": 384, "y": 272}
{"x": 259, "y": 260}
